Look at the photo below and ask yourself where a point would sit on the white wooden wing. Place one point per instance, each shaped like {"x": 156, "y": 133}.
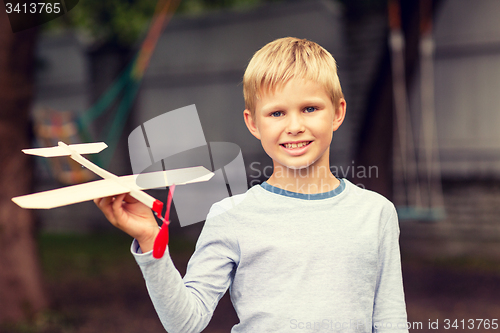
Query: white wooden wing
{"x": 108, "y": 187}
{"x": 71, "y": 194}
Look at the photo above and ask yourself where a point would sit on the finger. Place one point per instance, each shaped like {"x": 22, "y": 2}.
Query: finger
{"x": 117, "y": 207}
{"x": 130, "y": 199}
{"x": 98, "y": 201}
{"x": 102, "y": 202}
{"x": 105, "y": 205}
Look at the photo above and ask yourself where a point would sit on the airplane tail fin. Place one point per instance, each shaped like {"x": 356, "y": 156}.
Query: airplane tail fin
{"x": 81, "y": 148}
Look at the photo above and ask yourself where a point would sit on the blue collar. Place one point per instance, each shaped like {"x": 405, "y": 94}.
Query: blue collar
{"x": 314, "y": 196}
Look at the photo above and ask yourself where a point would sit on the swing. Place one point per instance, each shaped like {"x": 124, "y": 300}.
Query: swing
{"x": 417, "y": 176}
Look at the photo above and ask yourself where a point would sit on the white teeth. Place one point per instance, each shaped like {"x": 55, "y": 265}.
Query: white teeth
{"x": 296, "y": 145}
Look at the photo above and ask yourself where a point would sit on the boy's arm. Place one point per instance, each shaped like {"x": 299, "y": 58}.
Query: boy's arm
{"x": 389, "y": 309}
{"x": 183, "y": 306}
{"x": 187, "y": 305}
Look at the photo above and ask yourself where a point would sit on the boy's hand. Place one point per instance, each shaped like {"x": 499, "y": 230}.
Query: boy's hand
{"x": 133, "y": 217}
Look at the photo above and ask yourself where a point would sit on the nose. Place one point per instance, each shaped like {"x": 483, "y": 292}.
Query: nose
{"x": 295, "y": 124}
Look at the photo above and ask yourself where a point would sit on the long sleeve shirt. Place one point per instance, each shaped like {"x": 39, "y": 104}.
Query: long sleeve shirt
{"x": 326, "y": 262}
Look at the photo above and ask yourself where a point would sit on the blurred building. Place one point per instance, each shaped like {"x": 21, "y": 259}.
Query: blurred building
{"x": 467, "y": 77}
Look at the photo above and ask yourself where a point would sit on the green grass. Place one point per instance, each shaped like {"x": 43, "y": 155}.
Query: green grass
{"x": 83, "y": 255}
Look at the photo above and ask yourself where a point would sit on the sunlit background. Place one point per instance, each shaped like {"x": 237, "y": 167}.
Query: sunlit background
{"x": 421, "y": 80}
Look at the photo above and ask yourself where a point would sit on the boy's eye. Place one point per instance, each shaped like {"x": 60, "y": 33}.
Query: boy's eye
{"x": 276, "y": 113}
{"x": 310, "y": 109}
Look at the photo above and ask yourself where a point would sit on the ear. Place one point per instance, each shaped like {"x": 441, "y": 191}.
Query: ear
{"x": 339, "y": 116}
{"x": 251, "y": 123}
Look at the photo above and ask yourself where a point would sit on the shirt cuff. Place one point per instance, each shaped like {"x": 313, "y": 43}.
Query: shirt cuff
{"x": 144, "y": 258}
{"x": 136, "y": 251}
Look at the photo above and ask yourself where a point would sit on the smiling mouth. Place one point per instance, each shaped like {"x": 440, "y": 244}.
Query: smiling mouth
{"x": 296, "y": 145}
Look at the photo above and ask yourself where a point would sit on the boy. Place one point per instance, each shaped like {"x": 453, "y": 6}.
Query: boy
{"x": 304, "y": 250}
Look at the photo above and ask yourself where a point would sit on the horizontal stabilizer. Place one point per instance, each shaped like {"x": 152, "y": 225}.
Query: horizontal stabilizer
{"x": 81, "y": 148}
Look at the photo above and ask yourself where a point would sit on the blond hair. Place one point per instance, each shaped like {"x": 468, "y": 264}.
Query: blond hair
{"x": 283, "y": 59}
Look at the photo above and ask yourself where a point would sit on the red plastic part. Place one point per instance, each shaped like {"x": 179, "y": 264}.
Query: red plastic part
{"x": 161, "y": 241}
{"x": 157, "y": 207}
{"x": 169, "y": 201}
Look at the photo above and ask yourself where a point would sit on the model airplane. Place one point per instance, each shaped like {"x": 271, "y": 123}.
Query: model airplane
{"x": 110, "y": 185}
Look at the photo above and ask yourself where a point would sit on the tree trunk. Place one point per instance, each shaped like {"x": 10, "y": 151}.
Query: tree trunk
{"x": 21, "y": 291}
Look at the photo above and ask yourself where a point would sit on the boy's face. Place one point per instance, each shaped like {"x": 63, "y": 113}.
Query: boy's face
{"x": 295, "y": 124}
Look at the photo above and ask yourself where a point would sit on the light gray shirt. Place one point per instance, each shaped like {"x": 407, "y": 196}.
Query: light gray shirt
{"x": 325, "y": 262}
